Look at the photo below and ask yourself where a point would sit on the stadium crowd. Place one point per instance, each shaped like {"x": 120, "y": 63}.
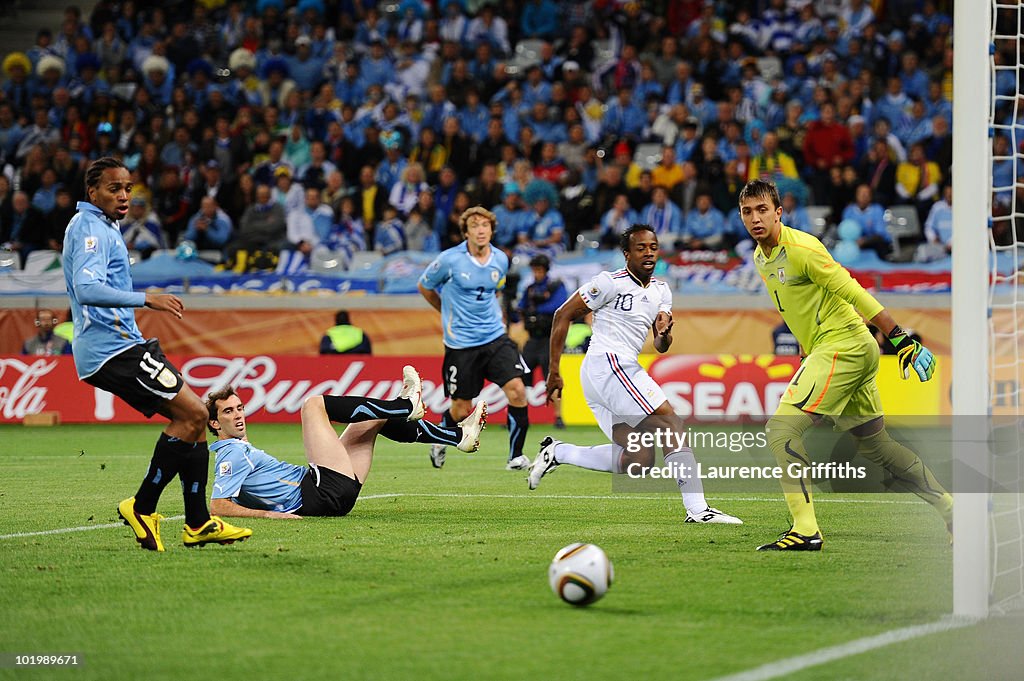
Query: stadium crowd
{"x": 272, "y": 131}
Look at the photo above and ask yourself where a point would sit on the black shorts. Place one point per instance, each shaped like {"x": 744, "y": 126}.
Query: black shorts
{"x": 537, "y": 353}
{"x": 327, "y": 492}
{"x": 141, "y": 376}
{"x": 465, "y": 369}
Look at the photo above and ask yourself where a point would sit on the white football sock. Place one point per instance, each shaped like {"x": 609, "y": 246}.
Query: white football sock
{"x": 690, "y": 485}
{"x": 598, "y": 458}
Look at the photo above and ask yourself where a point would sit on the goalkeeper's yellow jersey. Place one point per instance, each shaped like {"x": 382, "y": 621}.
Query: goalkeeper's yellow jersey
{"x": 816, "y": 296}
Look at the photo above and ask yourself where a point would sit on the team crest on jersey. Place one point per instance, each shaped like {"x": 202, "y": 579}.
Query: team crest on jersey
{"x": 782, "y": 275}
{"x": 593, "y": 291}
{"x": 166, "y": 378}
{"x": 494, "y": 276}
{"x": 91, "y": 243}
{"x": 225, "y": 468}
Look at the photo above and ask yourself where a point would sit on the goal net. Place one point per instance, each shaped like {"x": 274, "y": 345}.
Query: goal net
{"x": 1006, "y": 295}
{"x": 988, "y": 180}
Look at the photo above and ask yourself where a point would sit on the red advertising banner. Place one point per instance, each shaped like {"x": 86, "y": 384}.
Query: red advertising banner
{"x": 273, "y": 387}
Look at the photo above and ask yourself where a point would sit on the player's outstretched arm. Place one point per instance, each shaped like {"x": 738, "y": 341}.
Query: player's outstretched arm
{"x": 662, "y": 329}
{"x": 165, "y": 302}
{"x": 569, "y": 310}
{"x": 909, "y": 352}
{"x": 229, "y": 509}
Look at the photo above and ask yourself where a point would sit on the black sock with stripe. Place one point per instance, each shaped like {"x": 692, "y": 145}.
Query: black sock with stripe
{"x": 518, "y": 424}
{"x": 194, "y": 474}
{"x": 347, "y": 409}
{"x": 448, "y": 420}
{"x": 168, "y": 457}
{"x": 421, "y": 431}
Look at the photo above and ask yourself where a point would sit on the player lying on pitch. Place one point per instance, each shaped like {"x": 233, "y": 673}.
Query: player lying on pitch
{"x": 251, "y": 483}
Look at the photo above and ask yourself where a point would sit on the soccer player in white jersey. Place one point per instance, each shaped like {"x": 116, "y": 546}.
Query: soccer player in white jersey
{"x": 622, "y": 396}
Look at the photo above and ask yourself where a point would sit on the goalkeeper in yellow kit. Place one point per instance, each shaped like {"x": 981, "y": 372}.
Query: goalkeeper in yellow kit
{"x": 819, "y": 301}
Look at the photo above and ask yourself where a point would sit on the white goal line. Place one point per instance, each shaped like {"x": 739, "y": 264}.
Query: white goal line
{"x": 792, "y": 665}
{"x": 455, "y": 495}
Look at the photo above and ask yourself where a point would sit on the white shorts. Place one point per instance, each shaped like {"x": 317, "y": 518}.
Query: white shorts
{"x": 618, "y": 390}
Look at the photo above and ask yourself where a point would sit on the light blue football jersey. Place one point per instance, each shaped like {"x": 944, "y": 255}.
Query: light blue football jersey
{"x": 254, "y": 478}
{"x": 470, "y": 312}
{"x": 98, "y": 277}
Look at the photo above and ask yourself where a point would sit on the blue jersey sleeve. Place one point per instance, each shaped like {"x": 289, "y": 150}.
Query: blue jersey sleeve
{"x": 437, "y": 273}
{"x": 231, "y": 471}
{"x": 89, "y": 257}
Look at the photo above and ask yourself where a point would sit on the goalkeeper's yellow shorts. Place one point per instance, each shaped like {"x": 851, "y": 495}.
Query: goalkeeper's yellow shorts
{"x": 838, "y": 380}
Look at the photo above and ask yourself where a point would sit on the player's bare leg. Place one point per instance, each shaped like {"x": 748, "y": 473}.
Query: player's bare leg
{"x": 324, "y": 448}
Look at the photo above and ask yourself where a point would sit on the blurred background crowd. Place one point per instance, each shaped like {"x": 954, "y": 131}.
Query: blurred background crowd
{"x": 271, "y": 133}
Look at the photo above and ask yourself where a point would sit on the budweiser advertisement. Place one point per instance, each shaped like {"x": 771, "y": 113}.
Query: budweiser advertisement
{"x": 273, "y": 387}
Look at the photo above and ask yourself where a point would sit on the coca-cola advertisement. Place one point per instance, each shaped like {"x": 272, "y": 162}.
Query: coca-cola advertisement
{"x": 273, "y": 387}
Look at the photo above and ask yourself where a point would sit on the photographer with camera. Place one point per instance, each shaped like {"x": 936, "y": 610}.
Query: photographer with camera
{"x": 537, "y": 310}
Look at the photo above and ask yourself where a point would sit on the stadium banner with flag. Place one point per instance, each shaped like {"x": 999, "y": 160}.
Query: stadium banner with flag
{"x": 394, "y": 332}
{"x": 274, "y": 387}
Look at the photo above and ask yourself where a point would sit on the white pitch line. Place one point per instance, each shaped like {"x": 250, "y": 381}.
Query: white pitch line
{"x": 454, "y": 495}
{"x": 792, "y": 665}
{"x": 65, "y": 530}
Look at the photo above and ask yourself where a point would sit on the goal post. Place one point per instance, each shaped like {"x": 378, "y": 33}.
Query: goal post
{"x": 973, "y": 33}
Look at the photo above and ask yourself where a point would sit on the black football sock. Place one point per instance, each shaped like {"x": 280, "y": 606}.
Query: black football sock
{"x": 194, "y": 473}
{"x": 448, "y": 420}
{"x": 346, "y": 409}
{"x": 421, "y": 431}
{"x": 518, "y": 424}
{"x": 168, "y": 457}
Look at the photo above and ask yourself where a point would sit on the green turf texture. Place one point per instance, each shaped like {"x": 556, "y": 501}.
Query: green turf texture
{"x": 447, "y": 581}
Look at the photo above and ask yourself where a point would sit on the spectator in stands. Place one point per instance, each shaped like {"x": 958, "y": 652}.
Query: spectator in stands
{"x": 826, "y": 146}
{"x": 668, "y": 173}
{"x": 664, "y": 216}
{"x": 938, "y": 146}
{"x": 263, "y": 228}
{"x": 406, "y": 192}
{"x": 640, "y": 195}
{"x": 57, "y": 221}
{"x": 938, "y": 229}
{"x": 44, "y": 342}
{"x": 794, "y": 215}
{"x": 27, "y": 229}
{"x": 487, "y": 191}
{"x": 141, "y": 228}
{"x": 916, "y": 125}
{"x": 512, "y": 218}
{"x": 210, "y": 228}
{"x": 704, "y": 226}
{"x": 306, "y": 228}
{"x": 874, "y": 234}
{"x": 344, "y": 339}
{"x": 918, "y": 180}
{"x": 545, "y": 230}
{"x": 389, "y": 236}
{"x": 550, "y": 167}
{"x": 617, "y": 219}
{"x": 371, "y": 199}
{"x": 286, "y": 191}
{"x": 772, "y": 163}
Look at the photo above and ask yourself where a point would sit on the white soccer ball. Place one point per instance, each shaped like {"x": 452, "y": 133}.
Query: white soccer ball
{"x": 580, "y": 574}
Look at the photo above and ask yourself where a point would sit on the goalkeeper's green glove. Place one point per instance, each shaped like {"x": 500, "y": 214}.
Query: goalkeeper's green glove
{"x": 910, "y": 353}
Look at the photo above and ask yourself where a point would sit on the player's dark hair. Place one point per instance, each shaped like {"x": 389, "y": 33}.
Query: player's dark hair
{"x": 211, "y": 403}
{"x": 630, "y": 231}
{"x": 761, "y": 189}
{"x": 96, "y": 168}
{"x": 341, "y": 318}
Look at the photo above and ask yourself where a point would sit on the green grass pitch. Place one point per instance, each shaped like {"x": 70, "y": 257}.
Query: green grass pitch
{"x": 446, "y": 578}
